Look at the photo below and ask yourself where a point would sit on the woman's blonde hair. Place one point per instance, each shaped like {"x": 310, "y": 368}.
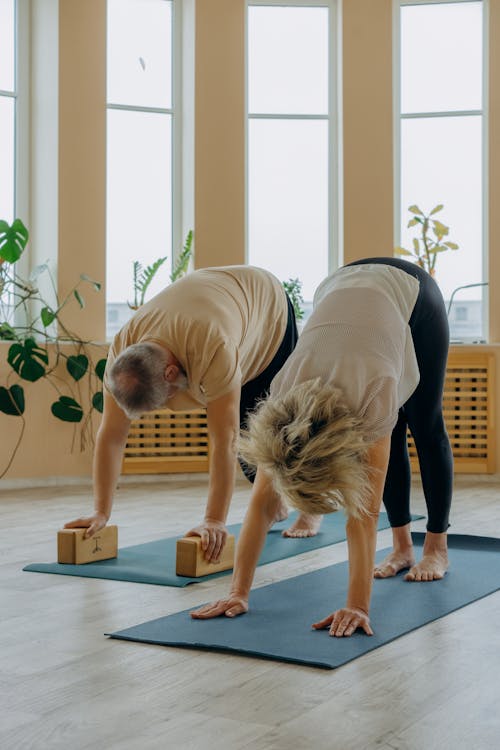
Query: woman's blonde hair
{"x": 312, "y": 446}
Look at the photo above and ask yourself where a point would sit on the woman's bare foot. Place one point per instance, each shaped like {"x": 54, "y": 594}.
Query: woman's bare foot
{"x": 393, "y": 563}
{"x": 434, "y": 562}
{"x": 281, "y": 512}
{"x": 307, "y": 524}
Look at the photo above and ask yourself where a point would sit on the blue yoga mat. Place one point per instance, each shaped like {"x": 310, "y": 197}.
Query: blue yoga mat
{"x": 154, "y": 562}
{"x": 278, "y": 625}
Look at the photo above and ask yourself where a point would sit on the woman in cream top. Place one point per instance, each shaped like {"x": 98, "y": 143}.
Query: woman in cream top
{"x": 369, "y": 363}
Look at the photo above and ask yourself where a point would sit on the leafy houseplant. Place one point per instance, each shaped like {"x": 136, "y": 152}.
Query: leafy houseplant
{"x": 431, "y": 240}
{"x": 39, "y": 339}
{"x": 293, "y": 287}
{"x": 142, "y": 277}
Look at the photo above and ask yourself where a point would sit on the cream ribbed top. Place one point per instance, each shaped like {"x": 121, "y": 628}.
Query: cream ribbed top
{"x": 358, "y": 339}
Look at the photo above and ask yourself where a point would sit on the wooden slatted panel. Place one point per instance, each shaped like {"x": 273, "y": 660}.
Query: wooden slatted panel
{"x": 167, "y": 442}
{"x": 469, "y": 412}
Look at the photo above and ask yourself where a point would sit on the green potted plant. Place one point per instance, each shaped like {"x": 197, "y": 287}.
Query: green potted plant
{"x": 39, "y": 342}
{"x": 430, "y": 240}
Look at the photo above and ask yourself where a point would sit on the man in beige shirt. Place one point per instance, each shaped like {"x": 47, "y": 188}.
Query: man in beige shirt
{"x": 215, "y": 338}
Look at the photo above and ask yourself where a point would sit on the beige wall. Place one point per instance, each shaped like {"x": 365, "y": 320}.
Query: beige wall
{"x": 220, "y": 133}
{"x": 82, "y": 156}
{"x": 494, "y": 171}
{"x": 367, "y": 128}
{"x": 219, "y": 185}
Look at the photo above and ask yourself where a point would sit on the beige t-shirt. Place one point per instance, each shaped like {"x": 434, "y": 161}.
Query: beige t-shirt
{"x": 358, "y": 339}
{"x": 224, "y": 325}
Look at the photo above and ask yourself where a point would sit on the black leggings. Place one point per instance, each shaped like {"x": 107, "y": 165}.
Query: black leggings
{"x": 423, "y": 412}
{"x": 258, "y": 389}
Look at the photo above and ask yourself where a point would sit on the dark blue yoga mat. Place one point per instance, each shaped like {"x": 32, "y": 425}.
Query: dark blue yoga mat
{"x": 154, "y": 562}
{"x": 278, "y": 625}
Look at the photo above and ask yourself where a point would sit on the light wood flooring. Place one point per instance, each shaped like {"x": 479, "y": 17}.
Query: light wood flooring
{"x": 63, "y": 684}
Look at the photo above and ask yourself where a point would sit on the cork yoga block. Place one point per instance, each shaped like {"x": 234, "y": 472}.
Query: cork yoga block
{"x": 190, "y": 561}
{"x": 72, "y": 548}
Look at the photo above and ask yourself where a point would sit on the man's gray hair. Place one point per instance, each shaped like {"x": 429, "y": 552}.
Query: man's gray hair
{"x": 137, "y": 379}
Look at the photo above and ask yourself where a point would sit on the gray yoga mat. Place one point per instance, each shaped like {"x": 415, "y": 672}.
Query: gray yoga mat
{"x": 154, "y": 562}
{"x": 278, "y": 625}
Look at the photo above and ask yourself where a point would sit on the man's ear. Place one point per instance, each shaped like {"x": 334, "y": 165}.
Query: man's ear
{"x": 171, "y": 373}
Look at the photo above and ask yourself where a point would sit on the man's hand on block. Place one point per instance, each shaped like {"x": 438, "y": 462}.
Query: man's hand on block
{"x": 73, "y": 548}
{"x": 190, "y": 559}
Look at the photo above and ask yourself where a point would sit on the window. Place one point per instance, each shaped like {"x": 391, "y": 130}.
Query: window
{"x": 140, "y": 153}
{"x": 291, "y": 214}
{"x": 7, "y": 108}
{"x": 442, "y": 143}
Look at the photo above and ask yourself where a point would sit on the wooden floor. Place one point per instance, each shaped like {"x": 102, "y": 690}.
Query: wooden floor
{"x": 64, "y": 685}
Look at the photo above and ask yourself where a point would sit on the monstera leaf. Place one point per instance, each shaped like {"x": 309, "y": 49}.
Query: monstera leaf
{"x": 67, "y": 409}
{"x": 99, "y": 368}
{"x": 77, "y": 366}
{"x": 13, "y": 240}
{"x": 12, "y": 400}
{"x": 98, "y": 401}
{"x": 26, "y": 359}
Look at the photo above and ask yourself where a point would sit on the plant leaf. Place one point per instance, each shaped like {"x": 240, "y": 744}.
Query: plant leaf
{"x": 7, "y": 333}
{"x": 13, "y": 240}
{"x": 451, "y": 245}
{"x": 415, "y": 210}
{"x": 440, "y": 230}
{"x": 436, "y": 209}
{"x": 12, "y": 400}
{"x": 98, "y": 401}
{"x": 48, "y": 316}
{"x": 38, "y": 270}
{"x": 67, "y": 409}
{"x": 77, "y": 365}
{"x": 182, "y": 262}
{"x": 416, "y": 245}
{"x": 402, "y": 251}
{"x": 96, "y": 284}
{"x": 100, "y": 367}
{"x": 79, "y": 298}
{"x": 26, "y": 359}
{"x": 412, "y": 222}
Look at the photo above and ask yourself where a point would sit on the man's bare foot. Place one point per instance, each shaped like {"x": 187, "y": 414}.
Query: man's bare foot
{"x": 431, "y": 567}
{"x": 307, "y": 524}
{"x": 393, "y": 563}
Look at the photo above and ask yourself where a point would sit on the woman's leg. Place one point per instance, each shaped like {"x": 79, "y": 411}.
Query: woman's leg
{"x": 397, "y": 503}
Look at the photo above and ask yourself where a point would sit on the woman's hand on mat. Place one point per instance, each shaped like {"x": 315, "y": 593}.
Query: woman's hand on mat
{"x": 345, "y": 621}
{"x": 213, "y": 538}
{"x": 92, "y": 523}
{"x": 234, "y": 605}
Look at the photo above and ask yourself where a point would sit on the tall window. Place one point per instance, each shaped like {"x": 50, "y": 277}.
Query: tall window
{"x": 291, "y": 215}
{"x": 442, "y": 145}
{"x": 7, "y": 108}
{"x": 139, "y": 147}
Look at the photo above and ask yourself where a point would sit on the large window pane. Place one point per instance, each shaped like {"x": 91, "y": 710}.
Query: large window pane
{"x": 139, "y": 204}
{"x": 441, "y": 162}
{"x": 288, "y": 199}
{"x": 441, "y": 57}
{"x": 139, "y": 52}
{"x": 7, "y": 45}
{"x": 288, "y": 60}
{"x": 6, "y": 158}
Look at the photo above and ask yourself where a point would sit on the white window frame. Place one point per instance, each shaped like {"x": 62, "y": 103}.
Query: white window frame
{"x": 20, "y": 95}
{"x": 335, "y": 210}
{"x": 175, "y": 111}
{"x": 483, "y": 112}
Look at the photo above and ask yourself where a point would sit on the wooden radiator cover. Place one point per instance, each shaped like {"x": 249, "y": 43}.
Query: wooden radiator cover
{"x": 167, "y": 442}
{"x": 469, "y": 412}
{"x": 177, "y": 442}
